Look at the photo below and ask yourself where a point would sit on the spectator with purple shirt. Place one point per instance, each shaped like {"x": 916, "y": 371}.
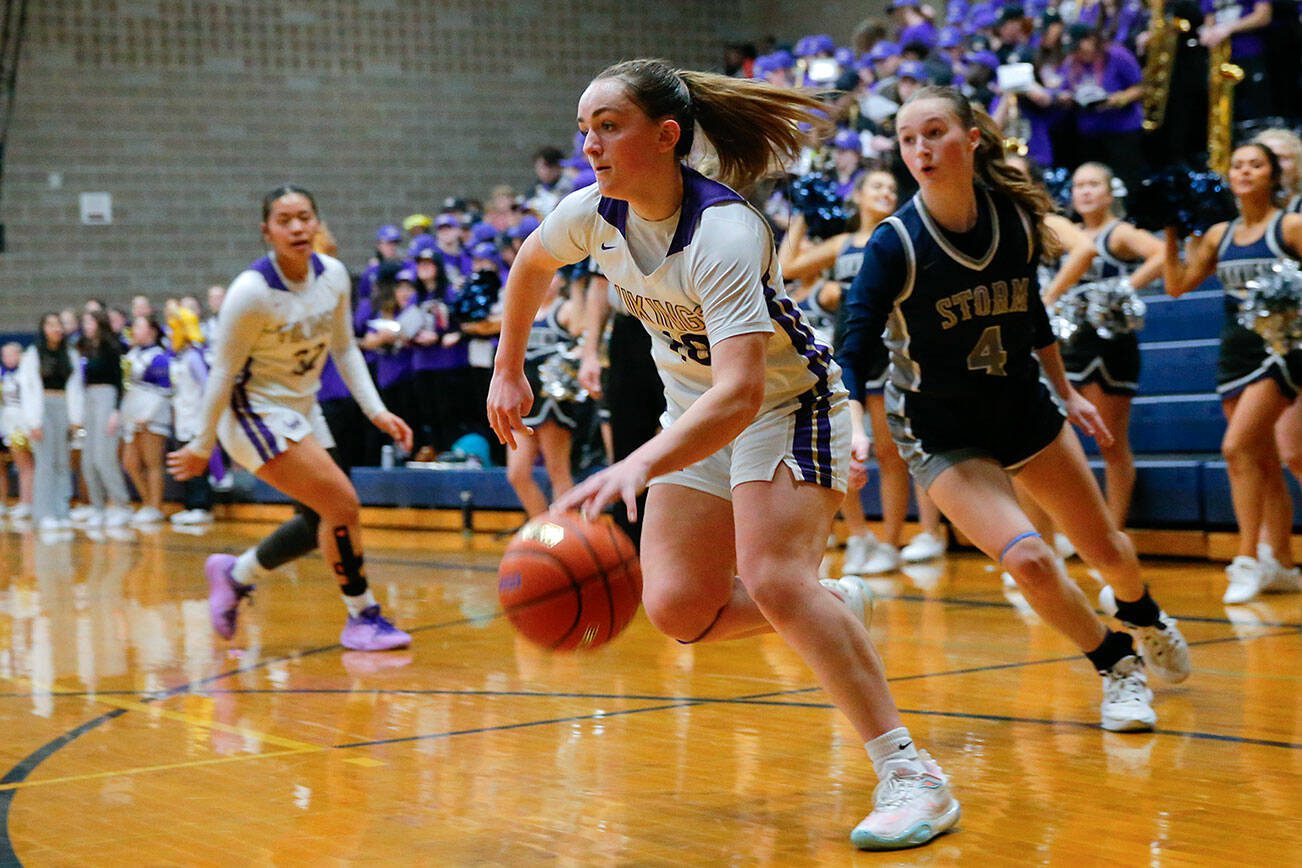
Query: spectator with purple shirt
{"x": 1104, "y": 84}
{"x": 387, "y": 240}
{"x": 396, "y": 320}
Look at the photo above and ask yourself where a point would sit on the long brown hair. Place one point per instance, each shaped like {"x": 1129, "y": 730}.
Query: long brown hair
{"x": 992, "y": 170}
{"x": 752, "y": 126}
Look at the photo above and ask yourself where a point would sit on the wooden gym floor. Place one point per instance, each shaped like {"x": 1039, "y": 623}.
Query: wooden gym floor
{"x": 133, "y": 736}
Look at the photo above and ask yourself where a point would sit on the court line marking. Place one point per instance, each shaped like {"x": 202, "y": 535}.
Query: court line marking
{"x": 137, "y": 770}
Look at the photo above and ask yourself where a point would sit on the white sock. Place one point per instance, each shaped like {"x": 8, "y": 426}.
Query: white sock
{"x": 247, "y": 570}
{"x": 360, "y": 603}
{"x": 893, "y": 751}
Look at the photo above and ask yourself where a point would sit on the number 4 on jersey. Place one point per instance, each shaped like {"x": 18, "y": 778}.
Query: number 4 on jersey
{"x": 988, "y": 355}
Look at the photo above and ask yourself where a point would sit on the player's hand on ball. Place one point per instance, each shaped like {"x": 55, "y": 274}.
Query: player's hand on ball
{"x": 393, "y": 425}
{"x": 623, "y": 480}
{"x": 1085, "y": 416}
{"x": 186, "y": 463}
{"x": 509, "y": 398}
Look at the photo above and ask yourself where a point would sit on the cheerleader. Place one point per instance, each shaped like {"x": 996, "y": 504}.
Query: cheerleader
{"x": 13, "y": 433}
{"x": 1106, "y": 371}
{"x": 277, "y": 323}
{"x": 1255, "y": 385}
{"x": 751, "y": 465}
{"x": 951, "y": 281}
{"x": 146, "y": 416}
{"x": 553, "y": 419}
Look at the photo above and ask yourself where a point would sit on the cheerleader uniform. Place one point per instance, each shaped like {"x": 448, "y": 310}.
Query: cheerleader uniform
{"x": 1113, "y": 362}
{"x": 1244, "y": 357}
{"x": 147, "y": 404}
{"x": 13, "y": 433}
{"x": 547, "y": 340}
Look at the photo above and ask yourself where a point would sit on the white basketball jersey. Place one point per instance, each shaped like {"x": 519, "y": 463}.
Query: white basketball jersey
{"x": 718, "y": 278}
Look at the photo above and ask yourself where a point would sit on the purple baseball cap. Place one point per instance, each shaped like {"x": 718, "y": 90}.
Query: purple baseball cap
{"x": 443, "y": 221}
{"x": 956, "y": 11}
{"x": 950, "y": 37}
{"x": 883, "y": 50}
{"x": 844, "y": 56}
{"x": 482, "y": 232}
{"x": 420, "y": 245}
{"x": 847, "y": 140}
{"x": 388, "y": 232}
{"x": 405, "y": 275}
{"x": 484, "y": 250}
{"x": 982, "y": 17}
{"x": 528, "y": 223}
{"x": 984, "y": 58}
{"x": 913, "y": 69}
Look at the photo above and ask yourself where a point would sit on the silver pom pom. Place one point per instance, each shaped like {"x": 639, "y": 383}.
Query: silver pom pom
{"x": 1271, "y": 308}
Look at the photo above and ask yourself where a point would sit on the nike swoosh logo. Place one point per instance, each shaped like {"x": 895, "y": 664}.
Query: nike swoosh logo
{"x": 903, "y": 746}
{"x": 607, "y": 247}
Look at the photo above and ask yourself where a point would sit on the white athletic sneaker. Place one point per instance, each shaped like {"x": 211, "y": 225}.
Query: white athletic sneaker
{"x": 1165, "y": 650}
{"x": 1063, "y": 546}
{"x": 1244, "y": 574}
{"x": 854, "y": 594}
{"x": 50, "y": 523}
{"x": 858, "y": 549}
{"x": 923, "y": 547}
{"x": 79, "y": 514}
{"x": 885, "y": 558}
{"x": 20, "y": 511}
{"x": 908, "y": 809}
{"x": 147, "y": 515}
{"x": 94, "y": 520}
{"x": 192, "y": 516}
{"x": 1127, "y": 702}
{"x": 117, "y": 516}
{"x": 1275, "y": 577}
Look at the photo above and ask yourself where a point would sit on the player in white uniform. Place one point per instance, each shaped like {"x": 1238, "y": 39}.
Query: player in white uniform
{"x": 755, "y": 447}
{"x": 278, "y": 321}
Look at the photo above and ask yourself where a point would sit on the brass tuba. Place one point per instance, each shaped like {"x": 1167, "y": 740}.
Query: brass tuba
{"x": 1164, "y": 34}
{"x": 1017, "y": 129}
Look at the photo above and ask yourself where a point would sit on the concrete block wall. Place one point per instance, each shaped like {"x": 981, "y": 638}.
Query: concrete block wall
{"x": 187, "y": 111}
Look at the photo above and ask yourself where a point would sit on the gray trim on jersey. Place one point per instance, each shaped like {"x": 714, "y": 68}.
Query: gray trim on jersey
{"x": 1272, "y": 244}
{"x": 1294, "y": 205}
{"x": 1098, "y": 365}
{"x": 953, "y": 252}
{"x": 904, "y": 371}
{"x": 1126, "y": 268}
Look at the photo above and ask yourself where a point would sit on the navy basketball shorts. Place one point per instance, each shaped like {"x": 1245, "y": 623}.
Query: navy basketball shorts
{"x": 1244, "y": 360}
{"x": 1112, "y": 363}
{"x": 1010, "y": 426}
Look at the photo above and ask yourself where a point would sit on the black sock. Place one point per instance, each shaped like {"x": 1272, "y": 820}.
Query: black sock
{"x": 1139, "y": 613}
{"x": 1113, "y": 647}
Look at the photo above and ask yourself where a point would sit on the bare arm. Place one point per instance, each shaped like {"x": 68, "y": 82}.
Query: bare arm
{"x": 1077, "y": 263}
{"x": 595, "y": 315}
{"x": 509, "y": 395}
{"x": 1080, "y": 412}
{"x": 1131, "y": 242}
{"x": 1181, "y": 277}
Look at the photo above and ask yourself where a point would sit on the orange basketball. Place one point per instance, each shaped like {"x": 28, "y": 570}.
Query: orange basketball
{"x": 566, "y": 582}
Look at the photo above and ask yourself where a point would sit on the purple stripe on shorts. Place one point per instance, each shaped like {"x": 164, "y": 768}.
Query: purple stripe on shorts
{"x": 802, "y": 448}
{"x": 236, "y": 398}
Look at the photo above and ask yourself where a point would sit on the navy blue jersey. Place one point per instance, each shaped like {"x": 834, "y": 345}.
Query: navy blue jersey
{"x": 1236, "y": 264}
{"x": 1105, "y": 263}
{"x": 960, "y": 313}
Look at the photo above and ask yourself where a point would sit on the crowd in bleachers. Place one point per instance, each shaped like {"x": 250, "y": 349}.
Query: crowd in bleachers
{"x": 1064, "y": 80}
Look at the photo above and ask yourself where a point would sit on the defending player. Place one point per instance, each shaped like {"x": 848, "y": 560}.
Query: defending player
{"x": 278, "y": 321}
{"x": 751, "y": 464}
{"x": 951, "y": 280}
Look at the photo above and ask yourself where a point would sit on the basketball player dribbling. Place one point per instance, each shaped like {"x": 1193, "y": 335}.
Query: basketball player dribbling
{"x": 751, "y": 465}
